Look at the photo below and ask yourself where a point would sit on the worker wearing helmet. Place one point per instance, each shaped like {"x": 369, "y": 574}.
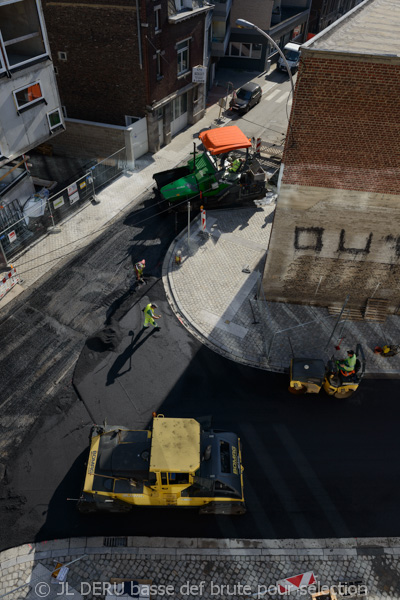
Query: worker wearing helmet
{"x": 139, "y": 268}
{"x": 149, "y": 316}
{"x": 235, "y": 165}
{"x": 347, "y": 366}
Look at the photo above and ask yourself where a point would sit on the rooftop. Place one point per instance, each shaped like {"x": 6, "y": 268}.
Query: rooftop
{"x": 372, "y": 27}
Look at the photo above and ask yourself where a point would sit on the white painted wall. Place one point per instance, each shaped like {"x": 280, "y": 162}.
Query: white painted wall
{"x": 139, "y": 139}
{"x": 19, "y": 133}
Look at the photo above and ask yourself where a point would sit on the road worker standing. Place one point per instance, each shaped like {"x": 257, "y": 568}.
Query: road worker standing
{"x": 139, "y": 268}
{"x": 149, "y": 316}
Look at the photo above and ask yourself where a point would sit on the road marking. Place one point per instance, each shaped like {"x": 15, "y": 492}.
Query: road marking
{"x": 273, "y": 94}
{"x": 265, "y": 88}
{"x": 283, "y": 97}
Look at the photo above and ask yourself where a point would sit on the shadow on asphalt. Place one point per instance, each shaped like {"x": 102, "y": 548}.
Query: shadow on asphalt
{"x": 118, "y": 365}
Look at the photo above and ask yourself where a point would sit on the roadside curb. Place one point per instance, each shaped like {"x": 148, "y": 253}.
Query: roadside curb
{"x": 185, "y": 319}
{"x": 182, "y": 548}
{"x": 194, "y": 329}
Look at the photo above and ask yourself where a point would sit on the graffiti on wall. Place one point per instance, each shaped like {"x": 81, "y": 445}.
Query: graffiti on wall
{"x": 311, "y": 238}
{"x": 308, "y": 238}
{"x": 394, "y": 242}
{"x": 342, "y": 247}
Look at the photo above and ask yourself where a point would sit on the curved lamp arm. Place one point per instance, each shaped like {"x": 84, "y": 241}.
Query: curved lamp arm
{"x": 248, "y": 25}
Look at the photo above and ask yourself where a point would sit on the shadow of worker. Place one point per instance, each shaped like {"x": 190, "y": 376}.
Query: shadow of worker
{"x": 119, "y": 363}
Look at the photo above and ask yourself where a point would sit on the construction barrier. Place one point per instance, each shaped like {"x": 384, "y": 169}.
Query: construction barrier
{"x": 22, "y": 223}
{"x": 8, "y": 280}
{"x": 258, "y": 146}
{"x": 296, "y": 582}
{"x": 203, "y": 219}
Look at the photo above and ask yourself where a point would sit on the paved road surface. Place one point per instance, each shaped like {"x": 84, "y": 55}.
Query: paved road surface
{"x": 314, "y": 467}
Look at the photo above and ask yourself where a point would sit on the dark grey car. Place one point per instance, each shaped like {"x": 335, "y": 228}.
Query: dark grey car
{"x": 246, "y": 97}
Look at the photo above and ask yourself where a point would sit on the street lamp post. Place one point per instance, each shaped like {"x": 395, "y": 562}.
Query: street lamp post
{"x": 248, "y": 25}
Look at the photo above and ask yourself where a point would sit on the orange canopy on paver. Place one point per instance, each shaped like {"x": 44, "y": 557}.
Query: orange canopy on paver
{"x": 224, "y": 139}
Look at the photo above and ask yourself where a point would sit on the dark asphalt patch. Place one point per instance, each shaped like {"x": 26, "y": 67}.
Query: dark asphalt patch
{"x": 117, "y": 375}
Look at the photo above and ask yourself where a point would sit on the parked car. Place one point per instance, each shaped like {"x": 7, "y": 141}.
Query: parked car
{"x": 246, "y": 97}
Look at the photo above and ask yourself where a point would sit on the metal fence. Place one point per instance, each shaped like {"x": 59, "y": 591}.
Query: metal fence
{"x": 104, "y": 171}
{"x": 22, "y": 223}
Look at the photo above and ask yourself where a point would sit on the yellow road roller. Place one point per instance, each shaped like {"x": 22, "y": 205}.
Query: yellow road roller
{"x": 309, "y": 375}
{"x": 175, "y": 463}
{"x": 306, "y": 375}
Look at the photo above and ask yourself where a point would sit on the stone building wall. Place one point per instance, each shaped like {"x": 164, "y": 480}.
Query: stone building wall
{"x": 337, "y": 224}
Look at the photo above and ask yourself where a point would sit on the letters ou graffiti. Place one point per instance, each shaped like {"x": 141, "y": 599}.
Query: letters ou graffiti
{"x": 365, "y": 250}
{"x": 394, "y": 242}
{"x": 310, "y": 238}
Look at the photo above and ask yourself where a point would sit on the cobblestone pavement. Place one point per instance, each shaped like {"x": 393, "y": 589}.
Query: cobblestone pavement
{"x": 203, "y": 568}
{"x": 213, "y": 292}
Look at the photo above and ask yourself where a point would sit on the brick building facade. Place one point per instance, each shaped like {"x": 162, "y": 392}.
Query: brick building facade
{"x": 337, "y": 223}
{"x": 120, "y": 62}
{"x": 97, "y": 62}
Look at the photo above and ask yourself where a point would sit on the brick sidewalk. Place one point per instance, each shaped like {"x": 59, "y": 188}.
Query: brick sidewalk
{"x": 216, "y": 300}
{"x": 182, "y": 563}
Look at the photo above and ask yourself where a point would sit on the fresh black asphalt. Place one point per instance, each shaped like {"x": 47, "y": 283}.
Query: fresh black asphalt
{"x": 314, "y": 466}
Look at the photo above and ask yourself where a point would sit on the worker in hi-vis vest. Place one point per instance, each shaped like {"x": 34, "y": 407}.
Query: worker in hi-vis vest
{"x": 139, "y": 268}
{"x": 347, "y": 366}
{"x": 149, "y": 316}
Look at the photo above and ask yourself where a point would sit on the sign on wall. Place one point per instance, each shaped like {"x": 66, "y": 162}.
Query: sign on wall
{"x": 73, "y": 193}
{"x": 12, "y": 236}
{"x": 58, "y": 202}
{"x": 199, "y": 74}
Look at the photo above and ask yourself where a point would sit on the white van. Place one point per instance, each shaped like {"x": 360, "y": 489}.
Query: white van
{"x": 292, "y": 54}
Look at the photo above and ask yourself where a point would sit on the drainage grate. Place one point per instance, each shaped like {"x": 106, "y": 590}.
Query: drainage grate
{"x": 115, "y": 542}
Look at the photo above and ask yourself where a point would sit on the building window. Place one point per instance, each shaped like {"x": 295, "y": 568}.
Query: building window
{"x": 28, "y": 95}
{"x": 158, "y": 64}
{"x": 21, "y": 34}
{"x": 62, "y": 56}
{"x": 179, "y": 106}
{"x": 256, "y": 50}
{"x": 242, "y": 50}
{"x": 157, "y": 19}
{"x": 183, "y": 57}
{"x": 54, "y": 119}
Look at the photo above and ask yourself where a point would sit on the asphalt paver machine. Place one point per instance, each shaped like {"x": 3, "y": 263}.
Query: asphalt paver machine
{"x": 175, "y": 463}
{"x": 216, "y": 176}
